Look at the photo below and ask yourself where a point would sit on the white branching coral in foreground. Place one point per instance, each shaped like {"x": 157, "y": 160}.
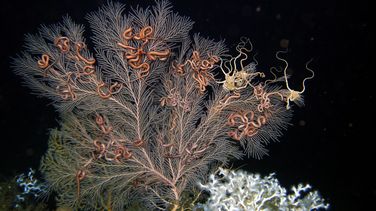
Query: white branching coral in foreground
{"x": 237, "y": 190}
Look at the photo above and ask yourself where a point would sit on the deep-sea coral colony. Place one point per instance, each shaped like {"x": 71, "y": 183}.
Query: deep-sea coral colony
{"x": 238, "y": 190}
{"x": 30, "y": 187}
{"x": 149, "y": 115}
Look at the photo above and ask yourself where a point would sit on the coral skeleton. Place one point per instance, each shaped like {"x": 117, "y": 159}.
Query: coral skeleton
{"x": 239, "y": 191}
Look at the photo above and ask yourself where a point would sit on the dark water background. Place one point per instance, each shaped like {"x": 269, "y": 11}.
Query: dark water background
{"x": 327, "y": 144}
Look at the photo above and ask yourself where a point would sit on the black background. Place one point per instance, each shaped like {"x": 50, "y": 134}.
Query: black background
{"x": 328, "y": 145}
